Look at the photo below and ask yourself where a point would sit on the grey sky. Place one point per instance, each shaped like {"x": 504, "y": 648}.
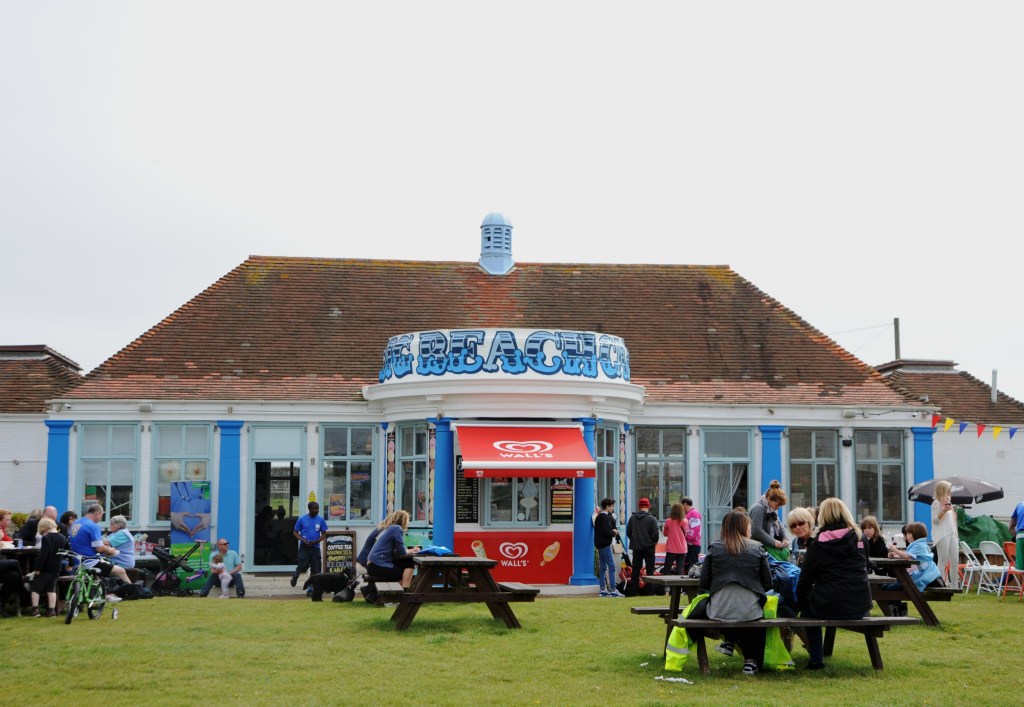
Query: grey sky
{"x": 857, "y": 161}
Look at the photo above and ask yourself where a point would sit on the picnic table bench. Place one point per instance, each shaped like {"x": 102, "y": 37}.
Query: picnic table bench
{"x": 871, "y": 627}
{"x": 454, "y": 579}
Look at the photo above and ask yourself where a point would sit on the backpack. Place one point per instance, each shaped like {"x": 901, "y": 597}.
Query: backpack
{"x": 785, "y": 577}
{"x": 129, "y": 592}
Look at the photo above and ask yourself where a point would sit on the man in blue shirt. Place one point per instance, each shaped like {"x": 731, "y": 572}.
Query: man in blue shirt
{"x": 87, "y": 540}
{"x": 232, "y": 565}
{"x": 309, "y": 530}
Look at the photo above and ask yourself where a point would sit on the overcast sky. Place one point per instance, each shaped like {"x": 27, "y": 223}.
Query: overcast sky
{"x": 859, "y": 161}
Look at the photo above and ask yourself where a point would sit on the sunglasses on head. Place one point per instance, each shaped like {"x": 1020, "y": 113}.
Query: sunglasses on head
{"x": 797, "y": 524}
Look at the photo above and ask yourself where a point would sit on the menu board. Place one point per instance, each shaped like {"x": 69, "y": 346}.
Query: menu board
{"x": 561, "y": 501}
{"x": 338, "y": 550}
{"x": 467, "y": 496}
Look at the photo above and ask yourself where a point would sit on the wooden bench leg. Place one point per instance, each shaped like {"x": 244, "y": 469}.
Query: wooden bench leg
{"x": 702, "y": 656}
{"x": 404, "y": 614}
{"x": 501, "y": 610}
{"x": 873, "y": 651}
{"x": 830, "y": 641}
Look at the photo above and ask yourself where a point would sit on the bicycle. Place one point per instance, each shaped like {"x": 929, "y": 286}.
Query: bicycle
{"x": 86, "y": 589}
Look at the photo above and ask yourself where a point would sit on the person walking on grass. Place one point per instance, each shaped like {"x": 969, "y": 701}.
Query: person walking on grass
{"x": 309, "y": 530}
{"x": 692, "y": 532}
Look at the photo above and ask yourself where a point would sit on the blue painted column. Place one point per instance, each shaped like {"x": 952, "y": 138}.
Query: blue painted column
{"x": 771, "y": 459}
{"x": 58, "y": 463}
{"x": 444, "y": 483}
{"x": 924, "y": 469}
{"x": 229, "y": 501}
{"x": 582, "y": 510}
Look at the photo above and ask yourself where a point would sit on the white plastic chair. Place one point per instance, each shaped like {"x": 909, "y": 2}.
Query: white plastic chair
{"x": 993, "y": 575}
{"x": 970, "y": 569}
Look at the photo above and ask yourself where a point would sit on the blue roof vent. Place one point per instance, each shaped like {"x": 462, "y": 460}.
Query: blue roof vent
{"x": 496, "y": 244}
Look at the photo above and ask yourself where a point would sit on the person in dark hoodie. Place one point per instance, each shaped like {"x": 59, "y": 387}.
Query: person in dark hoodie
{"x": 643, "y": 533}
{"x": 834, "y": 575}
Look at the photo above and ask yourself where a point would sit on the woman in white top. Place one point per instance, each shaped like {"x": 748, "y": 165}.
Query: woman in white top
{"x": 944, "y": 534}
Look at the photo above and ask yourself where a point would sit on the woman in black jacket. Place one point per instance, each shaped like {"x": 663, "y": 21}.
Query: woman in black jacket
{"x": 736, "y": 573}
{"x": 834, "y": 575}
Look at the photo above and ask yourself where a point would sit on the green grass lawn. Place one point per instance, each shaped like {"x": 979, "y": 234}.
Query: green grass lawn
{"x": 570, "y": 651}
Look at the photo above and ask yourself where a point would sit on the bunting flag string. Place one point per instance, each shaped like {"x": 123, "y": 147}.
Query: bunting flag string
{"x": 979, "y": 427}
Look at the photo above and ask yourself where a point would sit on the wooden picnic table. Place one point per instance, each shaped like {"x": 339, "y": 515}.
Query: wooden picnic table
{"x": 898, "y": 569}
{"x": 26, "y": 556}
{"x": 675, "y": 584}
{"x": 454, "y": 579}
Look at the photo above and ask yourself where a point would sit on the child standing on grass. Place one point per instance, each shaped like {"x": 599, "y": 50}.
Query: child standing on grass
{"x": 217, "y": 567}
{"x": 44, "y": 578}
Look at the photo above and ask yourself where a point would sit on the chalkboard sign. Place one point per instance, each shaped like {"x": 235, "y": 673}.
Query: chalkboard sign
{"x": 339, "y": 551}
{"x": 467, "y": 496}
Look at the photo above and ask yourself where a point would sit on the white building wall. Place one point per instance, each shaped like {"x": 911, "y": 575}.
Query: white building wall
{"x": 23, "y": 440}
{"x": 998, "y": 461}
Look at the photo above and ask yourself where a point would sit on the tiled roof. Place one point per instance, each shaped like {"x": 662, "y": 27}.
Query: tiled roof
{"x": 30, "y": 375}
{"x": 959, "y": 395}
{"x": 301, "y": 328}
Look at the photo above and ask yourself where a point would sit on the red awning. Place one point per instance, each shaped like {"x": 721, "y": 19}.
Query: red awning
{"x": 550, "y": 452}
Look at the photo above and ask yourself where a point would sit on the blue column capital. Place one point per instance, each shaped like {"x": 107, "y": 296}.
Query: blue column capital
{"x": 58, "y": 427}
{"x": 230, "y": 426}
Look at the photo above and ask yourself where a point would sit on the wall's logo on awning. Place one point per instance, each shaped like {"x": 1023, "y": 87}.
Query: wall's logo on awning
{"x": 526, "y": 449}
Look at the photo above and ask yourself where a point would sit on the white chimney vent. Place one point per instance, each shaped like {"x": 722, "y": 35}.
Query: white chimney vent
{"x": 496, "y": 244}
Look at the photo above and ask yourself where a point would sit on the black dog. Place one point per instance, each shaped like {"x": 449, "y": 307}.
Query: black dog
{"x": 332, "y": 582}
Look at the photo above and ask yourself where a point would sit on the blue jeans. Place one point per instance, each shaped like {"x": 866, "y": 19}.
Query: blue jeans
{"x": 606, "y": 568}
{"x": 814, "y": 641}
{"x": 236, "y": 582}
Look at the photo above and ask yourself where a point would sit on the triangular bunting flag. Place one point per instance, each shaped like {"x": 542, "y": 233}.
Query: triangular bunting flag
{"x": 995, "y": 432}
{"x": 963, "y": 426}
{"x": 1013, "y": 431}
{"x": 981, "y": 428}
{"x": 949, "y": 423}
{"x": 935, "y": 419}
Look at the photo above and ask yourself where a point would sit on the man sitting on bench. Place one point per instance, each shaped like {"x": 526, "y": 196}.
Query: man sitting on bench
{"x": 834, "y": 575}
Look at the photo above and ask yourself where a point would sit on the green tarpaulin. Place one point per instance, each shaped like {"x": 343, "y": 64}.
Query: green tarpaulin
{"x": 973, "y": 530}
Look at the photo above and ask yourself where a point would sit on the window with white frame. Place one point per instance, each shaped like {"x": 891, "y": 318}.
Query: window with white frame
{"x": 413, "y": 483}
{"x": 181, "y": 452}
{"x": 606, "y": 446}
{"x": 108, "y": 458}
{"x": 516, "y": 502}
{"x": 348, "y": 455}
{"x": 880, "y": 476}
{"x": 660, "y": 467}
{"x": 813, "y": 466}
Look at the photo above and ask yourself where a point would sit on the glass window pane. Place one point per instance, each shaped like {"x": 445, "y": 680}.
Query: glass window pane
{"x": 673, "y": 441}
{"x": 95, "y": 440}
{"x": 827, "y": 482}
{"x": 335, "y": 441}
{"x": 892, "y": 444}
{"x": 528, "y": 492}
{"x": 800, "y": 444}
{"x": 501, "y": 500}
{"x": 867, "y": 444}
{"x": 730, "y": 444}
{"x": 801, "y": 491}
{"x": 408, "y": 475}
{"x": 867, "y": 492}
{"x": 825, "y": 444}
{"x": 195, "y": 471}
{"x": 360, "y": 506}
{"x": 122, "y": 440}
{"x": 168, "y": 441}
{"x": 362, "y": 441}
{"x": 278, "y": 441}
{"x": 197, "y": 441}
{"x": 648, "y": 442}
{"x": 892, "y": 492}
{"x": 94, "y": 473}
{"x": 122, "y": 472}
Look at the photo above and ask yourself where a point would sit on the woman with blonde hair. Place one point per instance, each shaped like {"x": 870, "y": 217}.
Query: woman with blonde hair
{"x": 801, "y": 524}
{"x": 389, "y": 558}
{"x": 944, "y": 533}
{"x": 834, "y": 575}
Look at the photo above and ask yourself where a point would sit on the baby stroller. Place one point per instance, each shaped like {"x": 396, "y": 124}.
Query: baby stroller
{"x": 626, "y": 573}
{"x": 172, "y": 570}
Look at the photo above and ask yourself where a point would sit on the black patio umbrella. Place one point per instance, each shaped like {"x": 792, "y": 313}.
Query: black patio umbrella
{"x": 965, "y": 490}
